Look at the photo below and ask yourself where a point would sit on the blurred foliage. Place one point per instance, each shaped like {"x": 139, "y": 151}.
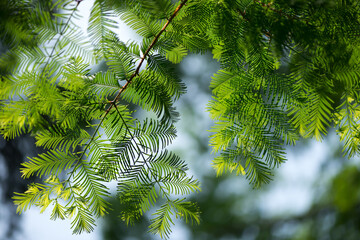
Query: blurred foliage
{"x": 12, "y": 154}
{"x": 15, "y": 30}
{"x": 13, "y": 15}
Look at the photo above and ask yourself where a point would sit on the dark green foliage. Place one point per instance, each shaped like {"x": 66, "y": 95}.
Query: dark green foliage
{"x": 282, "y": 79}
{"x": 288, "y": 70}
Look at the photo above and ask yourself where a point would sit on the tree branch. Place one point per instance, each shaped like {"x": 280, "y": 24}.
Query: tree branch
{"x": 113, "y": 102}
{"x": 156, "y": 38}
{"x": 57, "y": 40}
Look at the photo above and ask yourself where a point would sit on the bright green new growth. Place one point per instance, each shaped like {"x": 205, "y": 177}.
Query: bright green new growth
{"x": 83, "y": 118}
{"x": 289, "y": 69}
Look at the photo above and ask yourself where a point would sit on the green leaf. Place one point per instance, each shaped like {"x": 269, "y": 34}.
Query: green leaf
{"x": 176, "y": 54}
{"x": 51, "y": 163}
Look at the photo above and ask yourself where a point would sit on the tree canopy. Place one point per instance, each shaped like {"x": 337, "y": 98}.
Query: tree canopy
{"x": 289, "y": 70}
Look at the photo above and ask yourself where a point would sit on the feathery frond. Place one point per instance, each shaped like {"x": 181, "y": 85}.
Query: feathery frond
{"x": 286, "y": 72}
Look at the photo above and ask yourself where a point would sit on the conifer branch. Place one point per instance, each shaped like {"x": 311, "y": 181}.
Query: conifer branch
{"x": 156, "y": 38}
{"x": 142, "y": 155}
{"x": 260, "y": 105}
{"x": 43, "y": 72}
{"x": 58, "y": 39}
{"x": 113, "y": 102}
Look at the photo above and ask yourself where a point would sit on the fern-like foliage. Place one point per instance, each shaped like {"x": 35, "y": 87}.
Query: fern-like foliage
{"x": 82, "y": 119}
{"x": 289, "y": 69}
{"x": 286, "y": 73}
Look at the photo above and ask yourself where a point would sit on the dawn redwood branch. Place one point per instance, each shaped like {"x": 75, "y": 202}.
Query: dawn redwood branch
{"x": 58, "y": 39}
{"x": 113, "y": 102}
{"x": 156, "y": 38}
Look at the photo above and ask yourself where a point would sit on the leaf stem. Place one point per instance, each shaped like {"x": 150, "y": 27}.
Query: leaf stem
{"x": 156, "y": 38}
{"x": 142, "y": 155}
{"x": 113, "y": 102}
{"x": 58, "y": 39}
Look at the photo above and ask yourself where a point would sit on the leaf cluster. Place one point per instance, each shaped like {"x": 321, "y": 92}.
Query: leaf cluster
{"x": 289, "y": 70}
{"x": 83, "y": 120}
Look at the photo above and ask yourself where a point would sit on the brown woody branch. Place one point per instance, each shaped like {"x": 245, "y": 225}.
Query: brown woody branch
{"x": 156, "y": 38}
{"x": 113, "y": 102}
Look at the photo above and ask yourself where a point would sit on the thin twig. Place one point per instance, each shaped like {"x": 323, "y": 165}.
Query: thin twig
{"x": 156, "y": 38}
{"x": 48, "y": 61}
{"x": 142, "y": 155}
{"x": 58, "y": 39}
{"x": 113, "y": 102}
